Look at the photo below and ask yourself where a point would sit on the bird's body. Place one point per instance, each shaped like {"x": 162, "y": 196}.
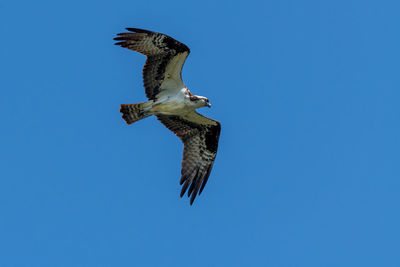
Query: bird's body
{"x": 173, "y": 104}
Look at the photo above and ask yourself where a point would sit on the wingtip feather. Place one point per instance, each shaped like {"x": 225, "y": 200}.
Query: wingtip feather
{"x": 205, "y": 179}
{"x": 122, "y": 44}
{"x": 194, "y": 195}
{"x": 184, "y": 188}
{"x": 137, "y": 30}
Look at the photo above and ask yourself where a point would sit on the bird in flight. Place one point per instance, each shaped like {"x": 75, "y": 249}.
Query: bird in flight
{"x": 173, "y": 104}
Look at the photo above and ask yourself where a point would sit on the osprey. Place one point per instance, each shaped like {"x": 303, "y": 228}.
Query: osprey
{"x": 173, "y": 104}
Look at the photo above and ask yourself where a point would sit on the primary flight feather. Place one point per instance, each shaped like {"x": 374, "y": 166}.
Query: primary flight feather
{"x": 173, "y": 104}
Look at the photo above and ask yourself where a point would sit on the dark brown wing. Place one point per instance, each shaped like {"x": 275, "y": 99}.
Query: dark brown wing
{"x": 200, "y": 137}
{"x": 165, "y": 59}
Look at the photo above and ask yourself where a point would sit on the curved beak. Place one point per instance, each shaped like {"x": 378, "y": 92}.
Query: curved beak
{"x": 209, "y": 105}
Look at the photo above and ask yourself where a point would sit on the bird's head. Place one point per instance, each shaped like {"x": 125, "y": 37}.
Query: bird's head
{"x": 204, "y": 101}
{"x": 200, "y": 101}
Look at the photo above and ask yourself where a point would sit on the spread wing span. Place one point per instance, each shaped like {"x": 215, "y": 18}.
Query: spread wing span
{"x": 200, "y": 137}
{"x": 165, "y": 59}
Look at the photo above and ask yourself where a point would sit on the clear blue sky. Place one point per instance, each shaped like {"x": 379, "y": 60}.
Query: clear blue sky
{"x": 307, "y": 173}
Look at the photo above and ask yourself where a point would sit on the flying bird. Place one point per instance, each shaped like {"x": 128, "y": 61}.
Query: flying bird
{"x": 173, "y": 104}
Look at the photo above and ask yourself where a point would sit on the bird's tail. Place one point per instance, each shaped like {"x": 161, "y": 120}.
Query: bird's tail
{"x": 135, "y": 112}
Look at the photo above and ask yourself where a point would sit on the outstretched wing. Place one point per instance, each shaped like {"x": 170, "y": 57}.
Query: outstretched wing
{"x": 200, "y": 137}
{"x": 165, "y": 59}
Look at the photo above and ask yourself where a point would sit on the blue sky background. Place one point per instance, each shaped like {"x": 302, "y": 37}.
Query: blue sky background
{"x": 307, "y": 172}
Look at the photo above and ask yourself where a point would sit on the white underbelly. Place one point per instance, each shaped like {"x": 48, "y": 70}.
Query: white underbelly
{"x": 173, "y": 104}
{"x": 171, "y": 108}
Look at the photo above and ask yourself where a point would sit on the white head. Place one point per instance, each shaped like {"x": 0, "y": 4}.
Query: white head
{"x": 200, "y": 101}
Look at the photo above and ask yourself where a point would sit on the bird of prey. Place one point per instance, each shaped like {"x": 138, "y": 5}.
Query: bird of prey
{"x": 173, "y": 104}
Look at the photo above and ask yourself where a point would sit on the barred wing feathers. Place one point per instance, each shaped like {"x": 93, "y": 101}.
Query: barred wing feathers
{"x": 200, "y": 137}
{"x": 165, "y": 59}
